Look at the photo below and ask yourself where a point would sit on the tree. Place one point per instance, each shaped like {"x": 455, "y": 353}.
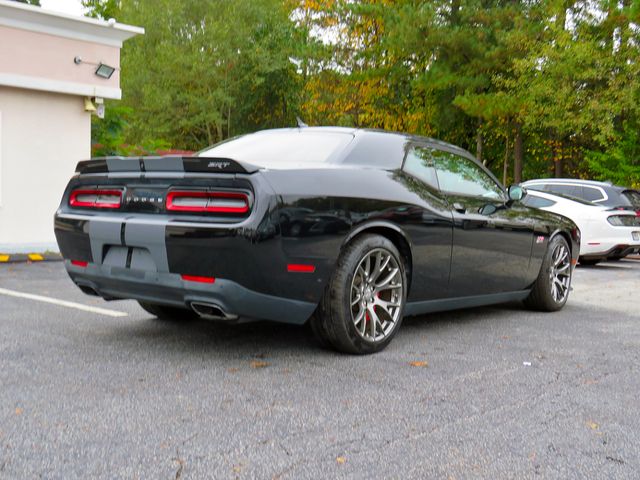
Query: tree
{"x": 553, "y": 85}
{"x": 104, "y": 9}
{"x": 206, "y": 69}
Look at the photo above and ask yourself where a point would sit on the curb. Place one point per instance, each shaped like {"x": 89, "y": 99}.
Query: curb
{"x": 29, "y": 257}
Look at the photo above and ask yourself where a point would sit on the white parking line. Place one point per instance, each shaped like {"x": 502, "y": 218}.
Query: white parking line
{"x": 63, "y": 303}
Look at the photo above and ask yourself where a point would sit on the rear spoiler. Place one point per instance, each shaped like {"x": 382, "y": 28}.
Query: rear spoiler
{"x": 164, "y": 164}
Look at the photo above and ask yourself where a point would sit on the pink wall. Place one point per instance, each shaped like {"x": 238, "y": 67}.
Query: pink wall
{"x": 51, "y": 57}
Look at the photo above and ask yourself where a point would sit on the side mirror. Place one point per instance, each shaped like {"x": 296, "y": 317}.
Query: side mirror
{"x": 516, "y": 193}
{"x": 488, "y": 209}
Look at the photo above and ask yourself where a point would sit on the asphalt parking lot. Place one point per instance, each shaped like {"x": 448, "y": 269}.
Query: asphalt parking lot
{"x": 487, "y": 393}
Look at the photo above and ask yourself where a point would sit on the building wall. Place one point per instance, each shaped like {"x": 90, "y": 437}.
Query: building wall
{"x": 42, "y": 137}
{"x": 33, "y": 55}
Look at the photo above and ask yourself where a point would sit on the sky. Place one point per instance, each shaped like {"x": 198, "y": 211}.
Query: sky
{"x": 71, "y": 7}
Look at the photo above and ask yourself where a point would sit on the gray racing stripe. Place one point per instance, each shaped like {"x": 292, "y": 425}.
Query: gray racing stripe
{"x": 149, "y": 235}
{"x": 103, "y": 231}
{"x": 163, "y": 164}
{"x": 120, "y": 164}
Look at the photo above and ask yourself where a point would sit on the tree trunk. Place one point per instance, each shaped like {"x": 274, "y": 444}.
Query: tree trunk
{"x": 505, "y": 164}
{"x": 479, "y": 143}
{"x": 557, "y": 161}
{"x": 220, "y": 131}
{"x": 518, "y": 154}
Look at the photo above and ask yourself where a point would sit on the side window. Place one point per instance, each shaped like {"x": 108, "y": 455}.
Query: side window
{"x": 537, "y": 202}
{"x": 561, "y": 189}
{"x": 575, "y": 191}
{"x": 460, "y": 175}
{"x": 592, "y": 194}
{"x": 419, "y": 163}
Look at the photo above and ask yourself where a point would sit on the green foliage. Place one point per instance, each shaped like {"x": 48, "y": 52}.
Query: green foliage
{"x": 206, "y": 69}
{"x": 552, "y": 85}
{"x": 103, "y": 9}
{"x": 620, "y": 161}
{"x": 29, "y": 2}
{"x": 107, "y": 134}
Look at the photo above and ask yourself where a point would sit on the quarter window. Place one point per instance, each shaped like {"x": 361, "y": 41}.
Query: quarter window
{"x": 420, "y": 163}
{"x": 591, "y": 194}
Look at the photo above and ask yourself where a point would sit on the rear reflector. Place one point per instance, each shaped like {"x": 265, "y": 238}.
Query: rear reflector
{"x": 593, "y": 243}
{"x": 297, "y": 268}
{"x": 208, "y": 202}
{"x": 79, "y": 263}
{"x": 96, "y": 198}
{"x": 195, "y": 278}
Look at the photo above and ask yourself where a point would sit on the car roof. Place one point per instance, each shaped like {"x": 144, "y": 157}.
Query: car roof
{"x": 575, "y": 181}
{"x": 367, "y": 132}
{"x": 375, "y": 147}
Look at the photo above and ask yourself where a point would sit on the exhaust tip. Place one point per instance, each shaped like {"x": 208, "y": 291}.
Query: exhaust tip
{"x": 211, "y": 311}
{"x": 88, "y": 290}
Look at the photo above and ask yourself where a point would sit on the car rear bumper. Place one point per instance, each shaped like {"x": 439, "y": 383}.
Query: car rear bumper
{"x": 145, "y": 257}
{"x": 608, "y": 250}
{"x": 171, "y": 289}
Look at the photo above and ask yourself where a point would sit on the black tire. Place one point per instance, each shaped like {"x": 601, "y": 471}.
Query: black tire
{"x": 319, "y": 332}
{"x": 333, "y": 323}
{"x": 589, "y": 262}
{"x": 541, "y": 296}
{"x": 165, "y": 312}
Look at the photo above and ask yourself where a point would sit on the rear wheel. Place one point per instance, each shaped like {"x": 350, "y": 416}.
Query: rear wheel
{"x": 551, "y": 289}
{"x": 168, "y": 313}
{"x": 362, "y": 307}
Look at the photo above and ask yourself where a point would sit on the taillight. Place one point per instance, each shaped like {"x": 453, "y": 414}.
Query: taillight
{"x": 208, "y": 202}
{"x": 96, "y": 198}
{"x": 624, "y": 220}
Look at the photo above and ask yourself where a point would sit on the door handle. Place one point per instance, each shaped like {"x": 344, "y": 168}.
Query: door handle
{"x": 458, "y": 207}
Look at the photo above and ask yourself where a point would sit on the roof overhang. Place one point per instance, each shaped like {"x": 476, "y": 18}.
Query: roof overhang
{"x": 37, "y": 19}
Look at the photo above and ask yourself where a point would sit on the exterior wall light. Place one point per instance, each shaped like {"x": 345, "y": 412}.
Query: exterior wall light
{"x": 103, "y": 70}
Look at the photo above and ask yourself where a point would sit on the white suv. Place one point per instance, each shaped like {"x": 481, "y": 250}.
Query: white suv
{"x": 607, "y": 233}
{"x": 601, "y": 193}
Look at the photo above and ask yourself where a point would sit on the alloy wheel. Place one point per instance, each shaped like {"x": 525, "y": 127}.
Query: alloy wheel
{"x": 560, "y": 273}
{"x": 377, "y": 290}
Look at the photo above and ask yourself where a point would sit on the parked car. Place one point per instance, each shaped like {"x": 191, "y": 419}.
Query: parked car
{"x": 390, "y": 225}
{"x": 606, "y": 233}
{"x": 601, "y": 193}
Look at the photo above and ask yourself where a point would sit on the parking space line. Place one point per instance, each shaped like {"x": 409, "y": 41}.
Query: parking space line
{"x": 62, "y": 303}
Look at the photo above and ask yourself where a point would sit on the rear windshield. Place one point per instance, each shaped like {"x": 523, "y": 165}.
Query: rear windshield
{"x": 287, "y": 147}
{"x": 633, "y": 197}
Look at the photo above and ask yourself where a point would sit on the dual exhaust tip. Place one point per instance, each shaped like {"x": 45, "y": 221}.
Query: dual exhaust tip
{"x": 211, "y": 311}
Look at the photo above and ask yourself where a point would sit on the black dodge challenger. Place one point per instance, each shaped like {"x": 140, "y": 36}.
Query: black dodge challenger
{"x": 347, "y": 229}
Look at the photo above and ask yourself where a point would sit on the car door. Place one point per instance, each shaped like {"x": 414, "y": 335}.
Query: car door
{"x": 492, "y": 237}
{"x": 429, "y": 225}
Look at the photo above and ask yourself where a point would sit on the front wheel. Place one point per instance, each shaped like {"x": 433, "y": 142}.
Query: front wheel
{"x": 551, "y": 289}
{"x": 362, "y": 307}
